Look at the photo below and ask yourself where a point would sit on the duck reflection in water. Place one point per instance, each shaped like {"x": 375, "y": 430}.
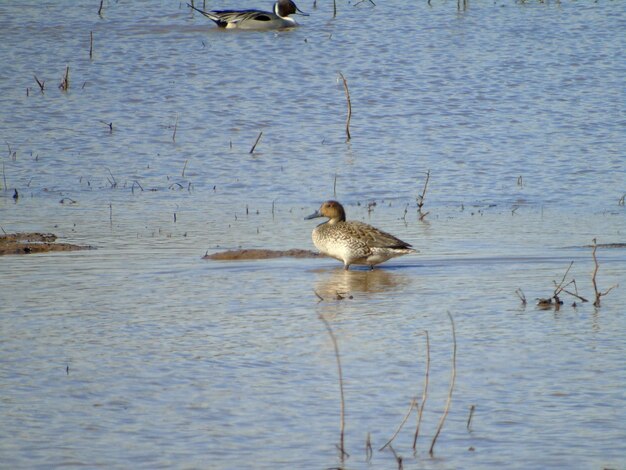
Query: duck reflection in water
{"x": 330, "y": 284}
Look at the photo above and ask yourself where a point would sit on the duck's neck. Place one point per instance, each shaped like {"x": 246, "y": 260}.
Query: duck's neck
{"x": 336, "y": 220}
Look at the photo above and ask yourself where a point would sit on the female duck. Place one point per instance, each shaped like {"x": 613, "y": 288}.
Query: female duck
{"x": 354, "y": 242}
{"x": 255, "y": 19}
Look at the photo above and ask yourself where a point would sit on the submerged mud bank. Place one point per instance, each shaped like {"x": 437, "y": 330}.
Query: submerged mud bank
{"x": 27, "y": 243}
{"x": 261, "y": 254}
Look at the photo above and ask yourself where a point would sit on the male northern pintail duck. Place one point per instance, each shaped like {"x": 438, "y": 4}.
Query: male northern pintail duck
{"x": 354, "y": 242}
{"x": 256, "y": 19}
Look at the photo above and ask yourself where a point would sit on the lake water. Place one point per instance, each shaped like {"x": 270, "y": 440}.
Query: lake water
{"x": 141, "y": 354}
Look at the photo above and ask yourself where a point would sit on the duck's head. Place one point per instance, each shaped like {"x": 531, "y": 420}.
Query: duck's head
{"x": 284, "y": 8}
{"x": 331, "y": 209}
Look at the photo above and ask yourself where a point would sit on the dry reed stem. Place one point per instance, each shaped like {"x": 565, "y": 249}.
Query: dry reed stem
{"x": 397, "y": 457}
{"x": 521, "y": 295}
{"x": 345, "y": 87}
{"x": 256, "y": 142}
{"x": 424, "y": 392}
{"x": 368, "y": 448}
{"x": 175, "y": 129}
{"x": 90, "y": 45}
{"x": 100, "y": 9}
{"x": 342, "y": 424}
{"x": 452, "y": 380}
{"x": 183, "y": 174}
{"x": 334, "y": 8}
{"x": 406, "y": 417}
{"x": 40, "y": 83}
{"x": 471, "y": 414}
{"x": 420, "y": 198}
{"x": 598, "y": 294}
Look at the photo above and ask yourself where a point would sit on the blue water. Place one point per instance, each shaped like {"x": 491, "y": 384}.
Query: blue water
{"x": 142, "y": 354}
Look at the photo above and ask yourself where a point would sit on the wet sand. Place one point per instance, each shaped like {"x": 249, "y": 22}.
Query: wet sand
{"x": 261, "y": 254}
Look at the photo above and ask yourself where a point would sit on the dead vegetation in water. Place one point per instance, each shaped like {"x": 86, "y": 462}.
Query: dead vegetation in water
{"x": 571, "y": 288}
{"x": 414, "y": 404}
{"x": 27, "y": 243}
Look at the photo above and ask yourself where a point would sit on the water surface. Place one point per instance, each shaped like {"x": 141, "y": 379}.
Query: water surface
{"x": 142, "y": 354}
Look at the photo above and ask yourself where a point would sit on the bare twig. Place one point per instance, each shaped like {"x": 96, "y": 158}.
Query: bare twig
{"x": 40, "y": 83}
{"x": 368, "y": 448}
{"x": 424, "y": 392}
{"x": 334, "y": 8}
{"x": 406, "y": 417}
{"x": 342, "y": 409}
{"x": 520, "y": 294}
{"x": 397, "y": 457}
{"x": 345, "y": 87}
{"x": 420, "y": 198}
{"x": 65, "y": 83}
{"x": 599, "y": 294}
{"x": 469, "y": 418}
{"x": 175, "y": 129}
{"x": 90, "y": 45}
{"x": 256, "y": 142}
{"x": 452, "y": 380}
{"x": 184, "y": 168}
{"x": 100, "y": 9}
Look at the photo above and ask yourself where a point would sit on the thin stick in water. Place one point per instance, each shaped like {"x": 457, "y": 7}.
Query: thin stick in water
{"x": 175, "y": 129}
{"x": 345, "y": 86}
{"x": 65, "y": 83}
{"x": 424, "y": 392}
{"x": 40, "y": 83}
{"x": 90, "y": 45}
{"x": 599, "y": 294}
{"x": 471, "y": 414}
{"x": 342, "y": 409}
{"x": 406, "y": 417}
{"x": 368, "y": 448}
{"x": 100, "y": 9}
{"x": 256, "y": 142}
{"x": 452, "y": 380}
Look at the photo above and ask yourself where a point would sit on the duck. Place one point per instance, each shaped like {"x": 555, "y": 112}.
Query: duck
{"x": 255, "y": 19}
{"x": 353, "y": 242}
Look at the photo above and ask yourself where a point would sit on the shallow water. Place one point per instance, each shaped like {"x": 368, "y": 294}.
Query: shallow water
{"x": 141, "y": 353}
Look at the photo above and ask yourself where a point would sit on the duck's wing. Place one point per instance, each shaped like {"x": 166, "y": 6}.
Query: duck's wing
{"x": 376, "y": 238}
{"x": 225, "y": 17}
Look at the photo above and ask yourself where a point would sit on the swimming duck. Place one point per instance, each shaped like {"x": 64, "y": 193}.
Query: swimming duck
{"x": 354, "y": 242}
{"x": 255, "y": 19}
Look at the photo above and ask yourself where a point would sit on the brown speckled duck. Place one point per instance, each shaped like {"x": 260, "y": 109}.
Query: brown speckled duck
{"x": 354, "y": 242}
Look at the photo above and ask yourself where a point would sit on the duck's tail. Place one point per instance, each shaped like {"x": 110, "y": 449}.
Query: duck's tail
{"x": 209, "y": 15}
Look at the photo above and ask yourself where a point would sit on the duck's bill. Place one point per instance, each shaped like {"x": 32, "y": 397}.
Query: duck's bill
{"x": 300, "y": 12}
{"x": 314, "y": 215}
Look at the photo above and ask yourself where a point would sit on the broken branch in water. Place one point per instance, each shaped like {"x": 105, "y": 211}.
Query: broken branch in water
{"x": 406, "y": 417}
{"x": 65, "y": 83}
{"x": 520, "y": 294}
{"x": 599, "y": 294}
{"x": 345, "y": 87}
{"x": 256, "y": 142}
{"x": 175, "y": 129}
{"x": 471, "y": 414}
{"x": 40, "y": 83}
{"x": 452, "y": 380}
{"x": 420, "y": 198}
{"x": 342, "y": 408}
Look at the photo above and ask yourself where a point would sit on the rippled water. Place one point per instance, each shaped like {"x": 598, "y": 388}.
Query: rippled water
{"x": 142, "y": 354}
